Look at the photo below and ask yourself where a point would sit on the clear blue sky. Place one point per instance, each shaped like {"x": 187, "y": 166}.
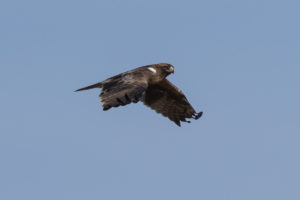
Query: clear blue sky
{"x": 238, "y": 61}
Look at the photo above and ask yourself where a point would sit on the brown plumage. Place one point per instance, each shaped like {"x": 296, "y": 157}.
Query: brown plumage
{"x": 149, "y": 85}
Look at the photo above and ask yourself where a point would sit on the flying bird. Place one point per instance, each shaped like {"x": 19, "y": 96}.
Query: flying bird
{"x": 149, "y": 85}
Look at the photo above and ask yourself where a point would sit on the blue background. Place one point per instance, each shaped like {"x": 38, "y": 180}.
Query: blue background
{"x": 238, "y": 61}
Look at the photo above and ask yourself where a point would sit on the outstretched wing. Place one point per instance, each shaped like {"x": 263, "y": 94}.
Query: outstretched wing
{"x": 167, "y": 99}
{"x": 123, "y": 89}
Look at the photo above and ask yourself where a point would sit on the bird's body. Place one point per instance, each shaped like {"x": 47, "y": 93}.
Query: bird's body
{"x": 149, "y": 85}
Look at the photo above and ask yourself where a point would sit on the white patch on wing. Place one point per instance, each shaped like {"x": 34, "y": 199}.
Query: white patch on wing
{"x": 152, "y": 69}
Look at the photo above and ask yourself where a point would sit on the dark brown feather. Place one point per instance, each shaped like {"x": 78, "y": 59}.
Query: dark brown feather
{"x": 167, "y": 99}
{"x": 123, "y": 89}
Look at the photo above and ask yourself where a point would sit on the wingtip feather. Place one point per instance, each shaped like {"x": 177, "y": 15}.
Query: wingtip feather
{"x": 198, "y": 115}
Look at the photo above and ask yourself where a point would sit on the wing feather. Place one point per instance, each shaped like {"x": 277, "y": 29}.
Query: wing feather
{"x": 167, "y": 99}
{"x": 123, "y": 89}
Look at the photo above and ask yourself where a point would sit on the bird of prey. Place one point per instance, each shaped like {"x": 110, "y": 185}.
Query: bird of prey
{"x": 149, "y": 85}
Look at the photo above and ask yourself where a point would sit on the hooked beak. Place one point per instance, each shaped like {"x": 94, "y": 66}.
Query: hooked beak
{"x": 172, "y": 69}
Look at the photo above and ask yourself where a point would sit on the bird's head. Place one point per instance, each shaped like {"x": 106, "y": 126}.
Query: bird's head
{"x": 165, "y": 68}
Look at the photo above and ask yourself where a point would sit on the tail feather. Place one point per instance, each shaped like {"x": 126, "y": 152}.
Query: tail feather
{"x": 97, "y": 85}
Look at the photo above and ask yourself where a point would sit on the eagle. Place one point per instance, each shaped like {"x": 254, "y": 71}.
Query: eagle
{"x": 149, "y": 85}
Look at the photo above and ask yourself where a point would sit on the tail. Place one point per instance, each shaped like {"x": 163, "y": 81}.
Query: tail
{"x": 97, "y": 85}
